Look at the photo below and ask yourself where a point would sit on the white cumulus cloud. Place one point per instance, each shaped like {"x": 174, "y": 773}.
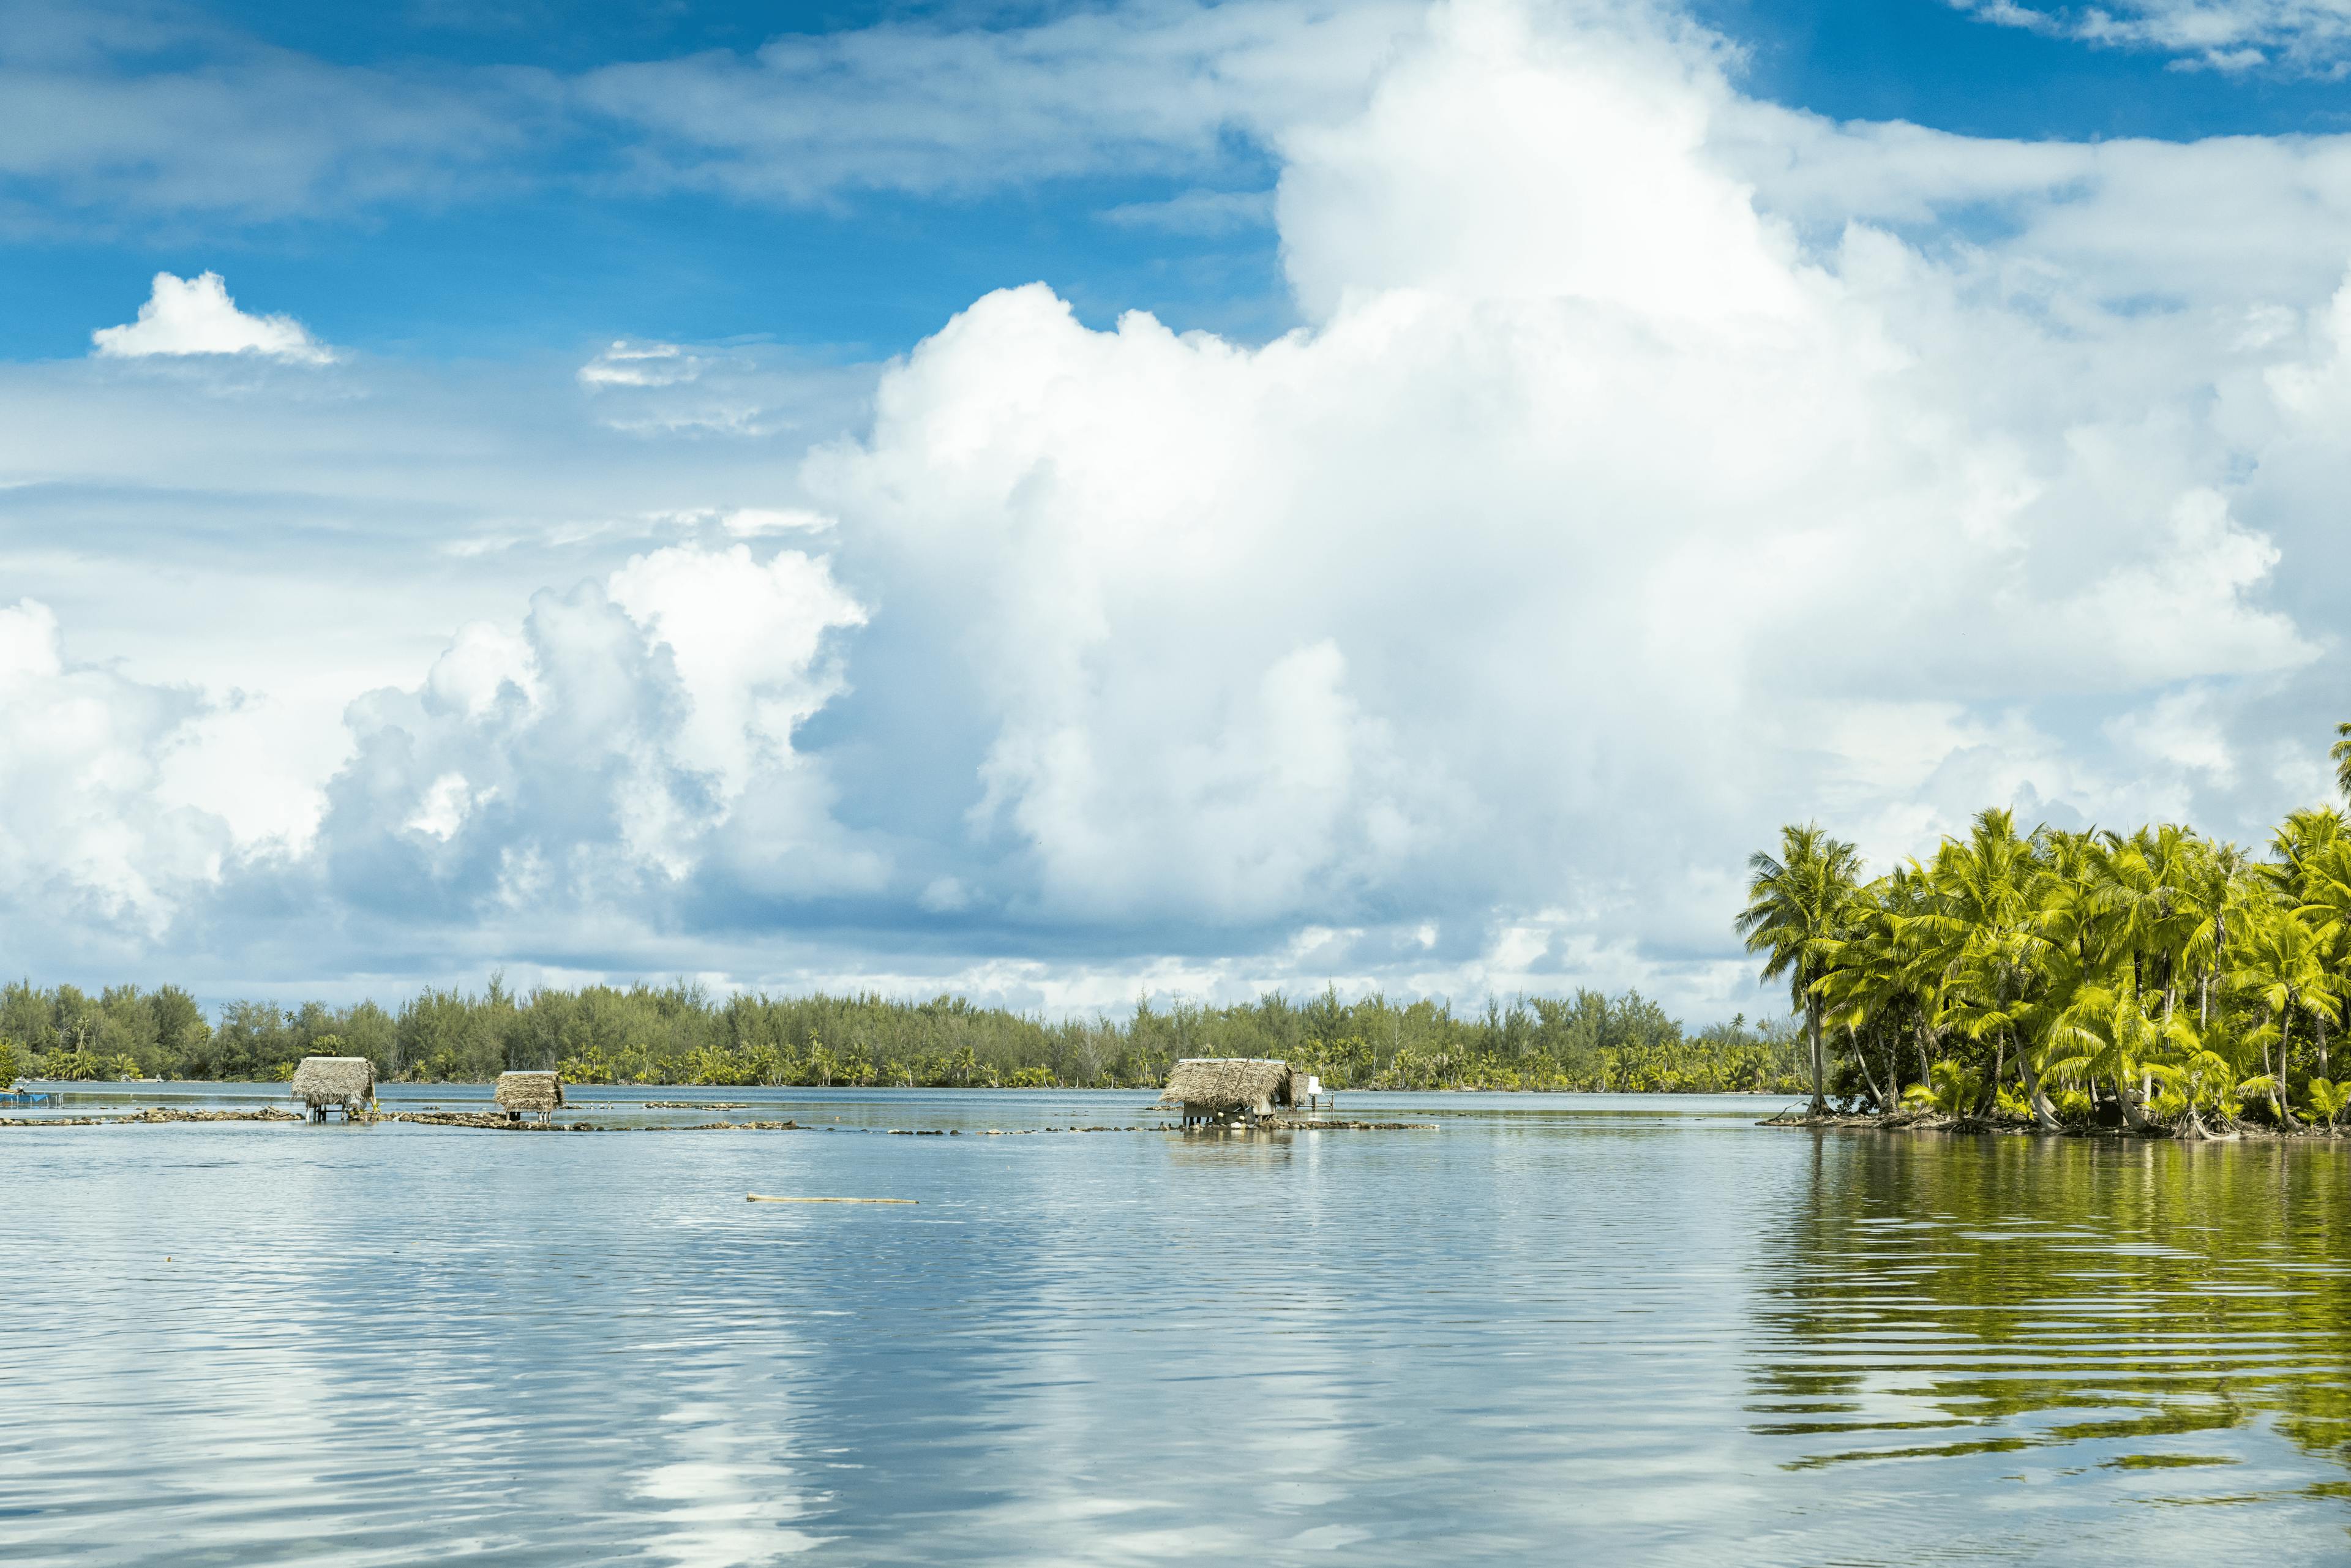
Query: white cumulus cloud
{"x": 632, "y": 734}
{"x": 87, "y": 838}
{"x": 196, "y": 316}
{"x": 1529, "y": 575}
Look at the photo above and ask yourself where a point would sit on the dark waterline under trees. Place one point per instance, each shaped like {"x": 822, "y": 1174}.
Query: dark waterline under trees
{"x": 682, "y": 1034}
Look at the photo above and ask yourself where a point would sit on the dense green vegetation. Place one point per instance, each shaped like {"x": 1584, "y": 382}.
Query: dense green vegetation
{"x": 680, "y": 1034}
{"x": 2154, "y": 980}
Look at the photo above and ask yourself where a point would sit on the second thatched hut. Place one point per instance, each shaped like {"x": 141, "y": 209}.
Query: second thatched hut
{"x": 1231, "y": 1088}
{"x": 334, "y": 1082}
{"x": 521, "y": 1092}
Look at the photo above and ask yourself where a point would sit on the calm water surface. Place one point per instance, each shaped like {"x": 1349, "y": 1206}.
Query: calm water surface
{"x": 1620, "y": 1330}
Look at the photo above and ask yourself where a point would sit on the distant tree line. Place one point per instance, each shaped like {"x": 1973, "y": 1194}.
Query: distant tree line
{"x": 682, "y": 1034}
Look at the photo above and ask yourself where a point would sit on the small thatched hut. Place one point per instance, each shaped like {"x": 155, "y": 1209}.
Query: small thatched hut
{"x": 520, "y": 1092}
{"x": 1239, "y": 1087}
{"x": 325, "y": 1083}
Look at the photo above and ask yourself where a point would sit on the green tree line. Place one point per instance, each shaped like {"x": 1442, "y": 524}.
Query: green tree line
{"x": 2157, "y": 979}
{"x": 682, "y": 1034}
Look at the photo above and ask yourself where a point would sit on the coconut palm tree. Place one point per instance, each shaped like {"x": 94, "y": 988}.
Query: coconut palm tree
{"x": 2219, "y": 885}
{"x": 1796, "y": 914}
{"x": 1888, "y": 975}
{"x": 2107, "y": 1033}
{"x": 1986, "y": 904}
{"x": 2145, "y": 880}
{"x": 2280, "y": 968}
{"x": 2341, "y": 754}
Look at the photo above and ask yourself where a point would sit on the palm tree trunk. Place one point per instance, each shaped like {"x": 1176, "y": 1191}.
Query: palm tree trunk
{"x": 2044, "y": 1115}
{"x": 1813, "y": 1021}
{"x": 2277, "y": 1079}
{"x": 1866, "y": 1075}
{"x": 2127, "y": 1098}
{"x": 2034, "y": 1096}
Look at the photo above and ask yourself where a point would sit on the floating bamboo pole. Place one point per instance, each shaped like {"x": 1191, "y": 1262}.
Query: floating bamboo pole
{"x": 763, "y": 1197}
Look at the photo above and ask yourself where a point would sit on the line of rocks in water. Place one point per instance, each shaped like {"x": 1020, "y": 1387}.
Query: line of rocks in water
{"x": 152, "y": 1117}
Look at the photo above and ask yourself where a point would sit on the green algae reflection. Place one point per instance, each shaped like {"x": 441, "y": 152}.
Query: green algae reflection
{"x": 2146, "y": 1305}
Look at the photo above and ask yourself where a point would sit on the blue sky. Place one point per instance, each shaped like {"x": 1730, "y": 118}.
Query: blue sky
{"x": 532, "y": 255}
{"x": 613, "y": 492}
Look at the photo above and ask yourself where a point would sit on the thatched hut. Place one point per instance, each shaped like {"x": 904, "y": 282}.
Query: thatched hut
{"x": 327, "y": 1082}
{"x": 1240, "y": 1088}
{"x": 518, "y": 1093}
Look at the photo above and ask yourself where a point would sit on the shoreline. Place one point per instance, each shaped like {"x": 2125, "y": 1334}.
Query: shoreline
{"x": 125, "y": 1085}
{"x": 490, "y": 1121}
{"x": 1976, "y": 1125}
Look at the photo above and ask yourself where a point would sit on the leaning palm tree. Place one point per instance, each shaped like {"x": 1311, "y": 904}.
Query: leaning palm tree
{"x": 2341, "y": 754}
{"x": 1795, "y": 916}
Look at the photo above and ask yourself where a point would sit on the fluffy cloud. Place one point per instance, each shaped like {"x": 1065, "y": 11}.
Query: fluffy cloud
{"x": 1652, "y": 467}
{"x": 1543, "y": 561}
{"x": 629, "y": 738}
{"x": 89, "y": 846}
{"x": 195, "y": 316}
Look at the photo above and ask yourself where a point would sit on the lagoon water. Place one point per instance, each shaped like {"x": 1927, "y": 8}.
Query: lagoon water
{"x": 1562, "y": 1328}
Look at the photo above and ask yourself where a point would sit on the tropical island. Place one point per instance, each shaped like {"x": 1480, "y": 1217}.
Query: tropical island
{"x": 2156, "y": 981}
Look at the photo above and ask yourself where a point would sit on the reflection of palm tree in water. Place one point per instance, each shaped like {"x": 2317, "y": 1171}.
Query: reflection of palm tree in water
{"x": 1985, "y": 1289}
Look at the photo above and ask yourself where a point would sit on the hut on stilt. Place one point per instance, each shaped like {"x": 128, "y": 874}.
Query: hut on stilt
{"x": 334, "y": 1082}
{"x": 521, "y": 1092}
{"x": 1238, "y": 1088}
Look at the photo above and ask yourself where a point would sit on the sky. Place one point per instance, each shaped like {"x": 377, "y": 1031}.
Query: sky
{"x": 1061, "y": 504}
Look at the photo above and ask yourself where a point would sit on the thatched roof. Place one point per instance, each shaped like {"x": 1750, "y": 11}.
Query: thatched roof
{"x": 528, "y": 1091}
{"x": 334, "y": 1079}
{"x": 1228, "y": 1083}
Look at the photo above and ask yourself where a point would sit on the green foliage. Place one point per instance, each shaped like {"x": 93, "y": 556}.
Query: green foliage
{"x": 2141, "y": 979}
{"x": 84, "y": 1066}
{"x": 1954, "y": 1092}
{"x": 680, "y": 1034}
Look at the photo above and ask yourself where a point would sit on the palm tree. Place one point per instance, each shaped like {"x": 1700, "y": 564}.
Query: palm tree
{"x": 1988, "y": 895}
{"x": 1795, "y": 915}
{"x": 2146, "y": 879}
{"x": 1885, "y": 976}
{"x": 2282, "y": 972}
{"x": 2107, "y": 1033}
{"x": 2218, "y": 890}
{"x": 2341, "y": 754}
